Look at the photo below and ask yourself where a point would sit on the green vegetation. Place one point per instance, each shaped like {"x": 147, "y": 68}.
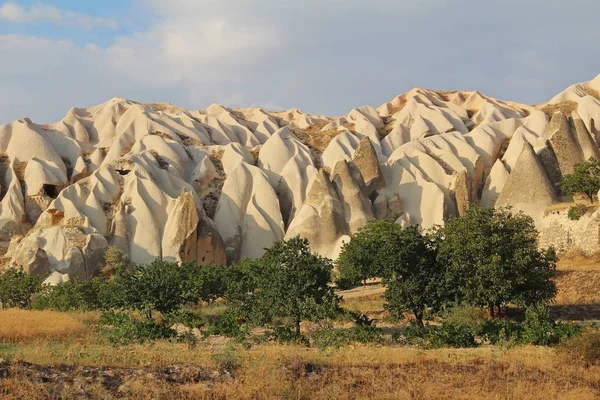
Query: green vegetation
{"x": 584, "y": 179}
{"x": 289, "y": 282}
{"x": 577, "y": 211}
{"x": 17, "y": 288}
{"x": 485, "y": 260}
{"x": 492, "y": 260}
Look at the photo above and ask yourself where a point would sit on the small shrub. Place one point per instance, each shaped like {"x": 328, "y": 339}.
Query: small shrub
{"x": 227, "y": 358}
{"x": 410, "y": 334}
{"x": 472, "y": 318}
{"x": 451, "y": 335}
{"x": 364, "y": 332}
{"x": 540, "y": 329}
{"x": 577, "y": 211}
{"x": 503, "y": 333}
{"x": 227, "y": 324}
{"x": 284, "y": 334}
{"x": 122, "y": 329}
{"x": 583, "y": 348}
{"x": 94, "y": 294}
{"x": 188, "y": 319}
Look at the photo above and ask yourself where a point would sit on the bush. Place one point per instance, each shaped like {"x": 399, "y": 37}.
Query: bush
{"x": 17, "y": 288}
{"x": 95, "y": 294}
{"x": 228, "y": 324}
{"x": 122, "y": 328}
{"x": 503, "y": 333}
{"x": 577, "y": 211}
{"x": 472, "y": 318}
{"x": 452, "y": 335}
{"x": 540, "y": 329}
{"x": 364, "y": 332}
{"x": 227, "y": 358}
{"x": 583, "y": 348}
{"x": 188, "y": 319}
{"x": 410, "y": 334}
{"x": 285, "y": 334}
{"x": 161, "y": 286}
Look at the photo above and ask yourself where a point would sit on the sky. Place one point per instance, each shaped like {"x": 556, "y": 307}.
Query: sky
{"x": 322, "y": 56}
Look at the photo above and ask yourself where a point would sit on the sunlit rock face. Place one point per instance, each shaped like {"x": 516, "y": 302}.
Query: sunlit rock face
{"x": 221, "y": 184}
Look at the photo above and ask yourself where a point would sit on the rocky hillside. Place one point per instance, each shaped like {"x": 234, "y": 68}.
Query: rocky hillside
{"x": 221, "y": 184}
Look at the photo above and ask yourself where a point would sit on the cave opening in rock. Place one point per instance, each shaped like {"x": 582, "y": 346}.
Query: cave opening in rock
{"x": 50, "y": 190}
{"x": 123, "y": 171}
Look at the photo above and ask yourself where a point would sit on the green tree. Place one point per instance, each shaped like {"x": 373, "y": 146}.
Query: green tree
{"x": 205, "y": 283}
{"x": 414, "y": 279}
{"x": 492, "y": 259}
{"x": 17, "y": 288}
{"x": 584, "y": 179}
{"x": 289, "y": 282}
{"x": 405, "y": 260}
{"x": 161, "y": 286}
{"x": 359, "y": 260}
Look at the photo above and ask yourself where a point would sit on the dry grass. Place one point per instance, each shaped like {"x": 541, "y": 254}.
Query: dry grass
{"x": 567, "y": 107}
{"x": 360, "y": 372}
{"x": 22, "y": 326}
{"x": 78, "y": 365}
{"x": 577, "y": 260}
{"x": 372, "y": 304}
{"x": 315, "y": 138}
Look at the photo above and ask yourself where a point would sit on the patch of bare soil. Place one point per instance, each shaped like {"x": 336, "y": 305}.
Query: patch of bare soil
{"x": 59, "y": 381}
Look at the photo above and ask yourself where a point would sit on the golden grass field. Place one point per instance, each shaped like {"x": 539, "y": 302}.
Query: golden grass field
{"x": 53, "y": 355}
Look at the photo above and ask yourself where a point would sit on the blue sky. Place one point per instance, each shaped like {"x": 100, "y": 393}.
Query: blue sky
{"x": 323, "y": 56}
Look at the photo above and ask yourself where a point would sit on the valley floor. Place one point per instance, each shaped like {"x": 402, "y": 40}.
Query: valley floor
{"x": 48, "y": 355}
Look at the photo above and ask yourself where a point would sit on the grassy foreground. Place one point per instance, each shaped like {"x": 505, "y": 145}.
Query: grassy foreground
{"x": 48, "y": 355}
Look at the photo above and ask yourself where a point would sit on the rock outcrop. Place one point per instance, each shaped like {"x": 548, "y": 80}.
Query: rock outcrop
{"x": 528, "y": 187}
{"x": 221, "y": 184}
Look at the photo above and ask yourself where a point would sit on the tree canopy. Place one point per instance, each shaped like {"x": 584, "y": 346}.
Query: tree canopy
{"x": 492, "y": 259}
{"x": 288, "y": 282}
{"x": 404, "y": 258}
{"x": 584, "y": 179}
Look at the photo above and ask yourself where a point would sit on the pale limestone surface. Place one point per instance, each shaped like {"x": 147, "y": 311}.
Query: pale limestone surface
{"x": 220, "y": 184}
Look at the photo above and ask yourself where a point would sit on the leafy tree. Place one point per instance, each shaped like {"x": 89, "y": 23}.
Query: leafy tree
{"x": 17, "y": 288}
{"x": 493, "y": 259}
{"x": 161, "y": 286}
{"x": 405, "y": 259}
{"x": 358, "y": 260}
{"x": 584, "y": 179}
{"x": 205, "y": 283}
{"x": 288, "y": 282}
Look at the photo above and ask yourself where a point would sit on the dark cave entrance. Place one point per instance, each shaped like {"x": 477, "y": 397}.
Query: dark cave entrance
{"x": 50, "y": 190}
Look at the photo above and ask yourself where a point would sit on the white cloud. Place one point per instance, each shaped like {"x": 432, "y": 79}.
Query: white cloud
{"x": 323, "y": 56}
{"x": 12, "y": 12}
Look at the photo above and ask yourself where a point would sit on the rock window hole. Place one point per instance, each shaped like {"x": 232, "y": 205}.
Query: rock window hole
{"x": 50, "y": 190}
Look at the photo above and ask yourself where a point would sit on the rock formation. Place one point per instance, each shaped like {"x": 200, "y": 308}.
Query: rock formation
{"x": 221, "y": 184}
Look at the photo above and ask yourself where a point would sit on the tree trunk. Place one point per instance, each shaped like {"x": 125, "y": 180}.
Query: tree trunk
{"x": 491, "y": 310}
{"x": 297, "y": 325}
{"x": 499, "y": 310}
{"x": 419, "y": 319}
{"x": 591, "y": 196}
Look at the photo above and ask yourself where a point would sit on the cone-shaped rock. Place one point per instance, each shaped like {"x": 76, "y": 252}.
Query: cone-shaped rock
{"x": 351, "y": 190}
{"x": 528, "y": 188}
{"x": 321, "y": 219}
{"x": 586, "y": 143}
{"x": 365, "y": 159}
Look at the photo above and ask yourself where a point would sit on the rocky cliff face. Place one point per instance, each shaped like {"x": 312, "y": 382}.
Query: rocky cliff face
{"x": 221, "y": 184}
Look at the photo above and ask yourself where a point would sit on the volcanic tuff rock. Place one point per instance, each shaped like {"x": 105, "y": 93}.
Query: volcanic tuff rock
{"x": 221, "y": 184}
